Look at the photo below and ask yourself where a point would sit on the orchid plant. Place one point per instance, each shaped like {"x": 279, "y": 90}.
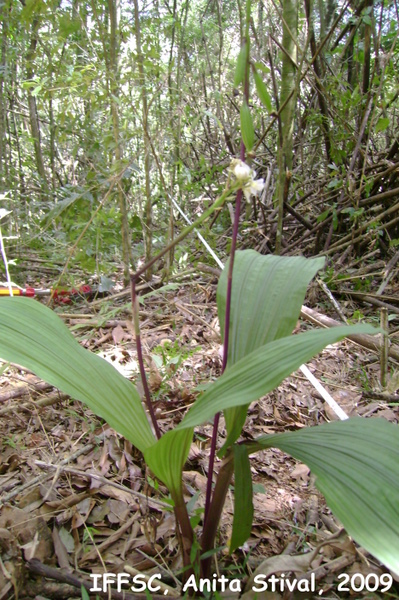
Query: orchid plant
{"x": 355, "y": 461}
{"x": 259, "y": 298}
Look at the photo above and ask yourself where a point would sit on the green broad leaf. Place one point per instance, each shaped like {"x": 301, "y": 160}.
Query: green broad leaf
{"x": 267, "y": 296}
{"x": 247, "y": 127}
{"x": 62, "y": 205}
{"x": 356, "y": 463}
{"x": 167, "y": 456}
{"x": 33, "y": 336}
{"x": 36, "y": 91}
{"x": 334, "y": 183}
{"x": 235, "y": 419}
{"x": 240, "y": 66}
{"x": 263, "y": 94}
{"x": 381, "y": 125}
{"x": 264, "y": 369}
{"x": 243, "y": 505}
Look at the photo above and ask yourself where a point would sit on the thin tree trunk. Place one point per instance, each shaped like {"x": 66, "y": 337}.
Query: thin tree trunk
{"x": 113, "y": 7}
{"x": 48, "y": 53}
{"x": 367, "y": 49}
{"x": 147, "y": 146}
{"x": 3, "y": 111}
{"x": 318, "y": 82}
{"x": 288, "y": 91}
{"x": 33, "y": 116}
{"x": 174, "y": 93}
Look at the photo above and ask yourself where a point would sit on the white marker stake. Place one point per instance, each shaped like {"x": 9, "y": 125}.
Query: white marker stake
{"x": 323, "y": 392}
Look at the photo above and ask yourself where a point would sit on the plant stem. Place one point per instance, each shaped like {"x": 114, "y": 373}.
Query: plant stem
{"x": 213, "y": 510}
{"x": 185, "y": 533}
{"x": 225, "y": 347}
{"x": 215, "y": 206}
{"x": 135, "y": 307}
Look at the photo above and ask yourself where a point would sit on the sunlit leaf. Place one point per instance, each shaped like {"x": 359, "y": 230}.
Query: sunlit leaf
{"x": 356, "y": 463}
{"x": 381, "y": 125}
{"x": 267, "y": 295}
{"x": 264, "y": 369}
{"x": 33, "y": 336}
{"x": 261, "y": 67}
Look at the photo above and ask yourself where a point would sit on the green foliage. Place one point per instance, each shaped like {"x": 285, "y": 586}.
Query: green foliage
{"x": 167, "y": 457}
{"x": 359, "y": 482}
{"x": 243, "y": 506}
{"x": 263, "y": 94}
{"x": 259, "y": 372}
{"x": 269, "y": 278}
{"x": 241, "y": 65}
{"x": 84, "y": 593}
{"x": 32, "y": 334}
{"x": 192, "y": 129}
{"x": 168, "y": 357}
{"x": 382, "y": 124}
{"x": 247, "y": 126}
{"x": 349, "y": 458}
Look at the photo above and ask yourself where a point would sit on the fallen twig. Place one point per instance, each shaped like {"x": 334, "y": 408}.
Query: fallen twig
{"x": 47, "y": 401}
{"x": 41, "y": 478}
{"x": 372, "y": 342}
{"x": 35, "y": 566}
{"x": 24, "y": 389}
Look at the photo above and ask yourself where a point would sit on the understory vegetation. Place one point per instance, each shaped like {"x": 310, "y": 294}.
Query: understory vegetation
{"x": 205, "y": 195}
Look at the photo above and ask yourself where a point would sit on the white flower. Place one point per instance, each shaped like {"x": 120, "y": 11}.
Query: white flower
{"x": 245, "y": 177}
{"x": 241, "y": 170}
{"x": 253, "y": 187}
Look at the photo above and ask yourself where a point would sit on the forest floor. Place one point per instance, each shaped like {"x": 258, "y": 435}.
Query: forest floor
{"x": 76, "y": 499}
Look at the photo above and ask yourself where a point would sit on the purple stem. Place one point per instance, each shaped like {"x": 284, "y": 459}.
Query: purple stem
{"x": 227, "y": 317}
{"x": 141, "y": 359}
{"x": 225, "y": 342}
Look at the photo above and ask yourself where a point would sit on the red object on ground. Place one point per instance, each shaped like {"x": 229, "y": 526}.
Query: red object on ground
{"x": 30, "y": 292}
{"x": 68, "y": 296}
{"x": 60, "y": 296}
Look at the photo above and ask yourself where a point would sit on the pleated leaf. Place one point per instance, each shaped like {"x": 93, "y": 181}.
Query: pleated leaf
{"x": 166, "y": 458}
{"x": 33, "y": 336}
{"x": 267, "y": 296}
{"x": 243, "y": 505}
{"x": 356, "y": 463}
{"x": 264, "y": 369}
